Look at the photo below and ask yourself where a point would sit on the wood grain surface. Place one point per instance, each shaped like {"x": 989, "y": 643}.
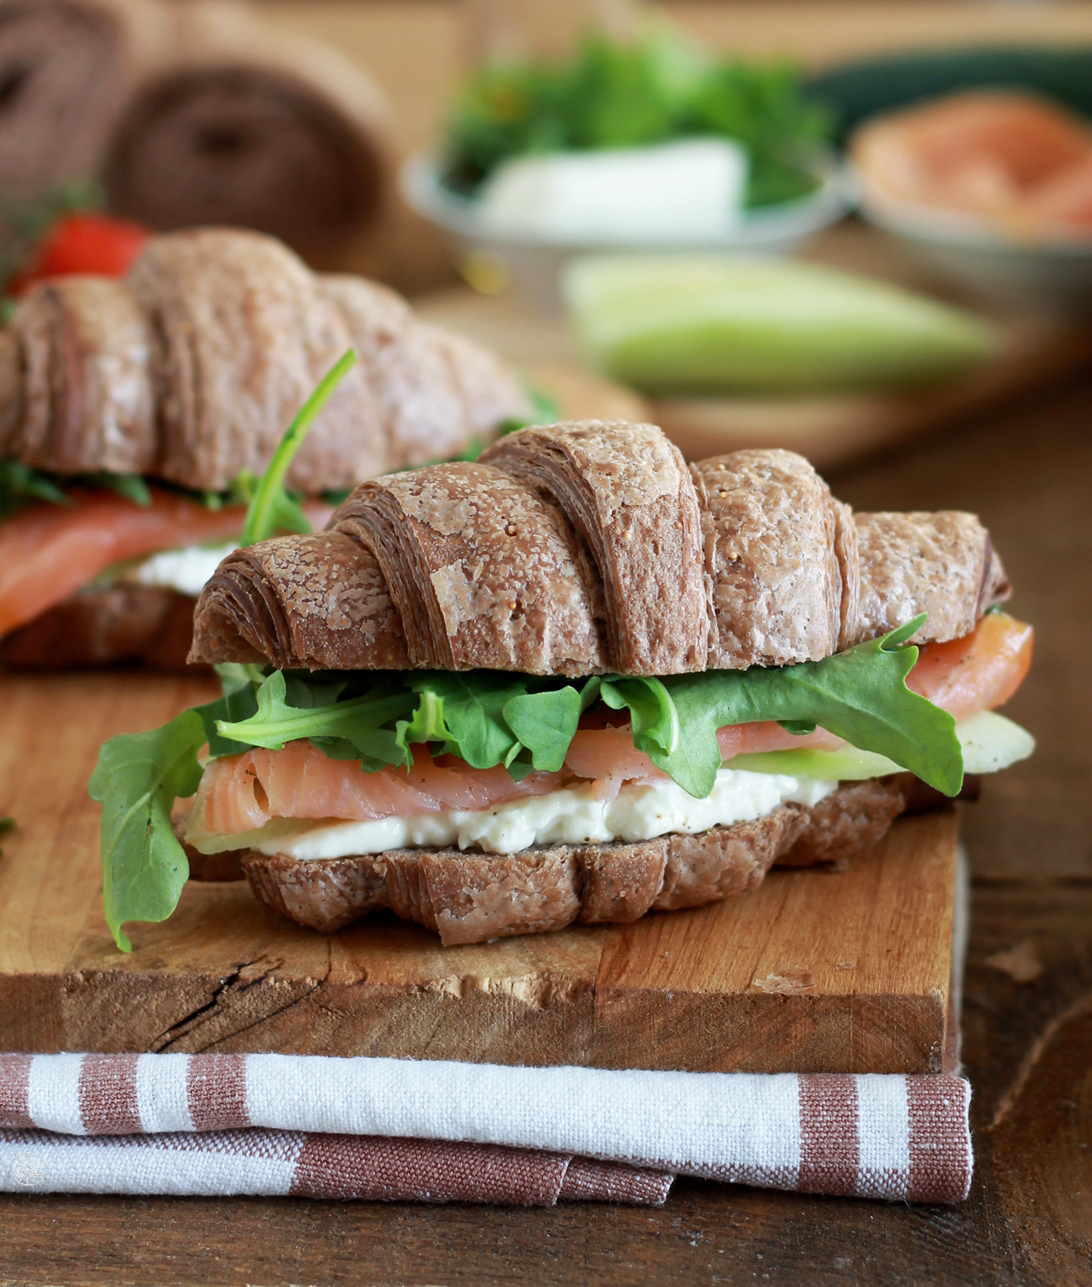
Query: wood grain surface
{"x": 1027, "y": 1045}
{"x": 1027, "y": 468}
{"x": 812, "y": 972}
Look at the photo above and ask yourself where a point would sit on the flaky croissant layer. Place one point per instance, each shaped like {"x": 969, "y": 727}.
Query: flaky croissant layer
{"x": 192, "y": 367}
{"x": 591, "y": 547}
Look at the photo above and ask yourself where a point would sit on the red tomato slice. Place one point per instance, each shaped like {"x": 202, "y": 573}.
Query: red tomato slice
{"x": 84, "y": 243}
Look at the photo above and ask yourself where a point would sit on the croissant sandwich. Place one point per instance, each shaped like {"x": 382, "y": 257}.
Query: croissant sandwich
{"x": 134, "y": 414}
{"x": 573, "y": 681}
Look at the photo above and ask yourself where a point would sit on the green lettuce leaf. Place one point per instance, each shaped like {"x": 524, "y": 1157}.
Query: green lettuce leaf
{"x": 20, "y": 485}
{"x": 137, "y": 780}
{"x": 859, "y": 695}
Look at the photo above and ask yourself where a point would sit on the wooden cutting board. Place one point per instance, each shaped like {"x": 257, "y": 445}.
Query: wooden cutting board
{"x": 814, "y": 971}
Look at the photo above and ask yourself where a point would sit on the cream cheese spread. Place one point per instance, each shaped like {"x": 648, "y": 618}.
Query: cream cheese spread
{"x": 570, "y": 815}
{"x": 185, "y": 570}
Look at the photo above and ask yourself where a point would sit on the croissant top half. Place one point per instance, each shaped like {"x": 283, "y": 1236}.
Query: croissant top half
{"x": 591, "y": 547}
{"x": 192, "y": 367}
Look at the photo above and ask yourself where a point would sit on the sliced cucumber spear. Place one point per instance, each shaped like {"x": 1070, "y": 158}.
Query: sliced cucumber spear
{"x": 708, "y": 324}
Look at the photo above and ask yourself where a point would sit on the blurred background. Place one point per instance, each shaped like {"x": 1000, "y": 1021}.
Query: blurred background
{"x": 822, "y": 224}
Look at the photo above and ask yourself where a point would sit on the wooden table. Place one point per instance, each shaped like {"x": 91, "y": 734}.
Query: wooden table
{"x": 1028, "y": 1040}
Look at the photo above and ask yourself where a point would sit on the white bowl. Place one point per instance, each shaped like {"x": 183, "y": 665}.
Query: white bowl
{"x": 531, "y": 267}
{"x": 1046, "y": 276}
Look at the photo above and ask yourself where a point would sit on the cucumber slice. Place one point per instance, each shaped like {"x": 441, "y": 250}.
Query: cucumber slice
{"x": 990, "y": 742}
{"x": 713, "y": 324}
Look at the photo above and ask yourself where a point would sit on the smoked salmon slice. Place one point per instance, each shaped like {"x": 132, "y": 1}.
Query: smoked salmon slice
{"x": 48, "y": 552}
{"x": 1005, "y": 156}
{"x": 979, "y": 672}
{"x": 242, "y": 792}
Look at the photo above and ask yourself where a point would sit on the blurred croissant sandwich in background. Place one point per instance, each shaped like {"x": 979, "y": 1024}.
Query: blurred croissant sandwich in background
{"x": 574, "y": 680}
{"x": 135, "y": 413}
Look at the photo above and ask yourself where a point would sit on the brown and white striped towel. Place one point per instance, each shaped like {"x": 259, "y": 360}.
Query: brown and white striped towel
{"x": 438, "y": 1131}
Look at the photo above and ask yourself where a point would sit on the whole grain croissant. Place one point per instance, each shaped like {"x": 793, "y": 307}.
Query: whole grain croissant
{"x": 191, "y": 368}
{"x": 590, "y": 547}
{"x": 575, "y": 549}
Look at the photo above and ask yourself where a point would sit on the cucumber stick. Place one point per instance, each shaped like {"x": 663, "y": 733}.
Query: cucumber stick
{"x": 990, "y": 742}
{"x": 708, "y": 324}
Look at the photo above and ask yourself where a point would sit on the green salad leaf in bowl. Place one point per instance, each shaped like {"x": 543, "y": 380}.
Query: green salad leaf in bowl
{"x": 655, "y": 90}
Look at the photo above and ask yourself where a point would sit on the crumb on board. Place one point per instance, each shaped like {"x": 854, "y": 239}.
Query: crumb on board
{"x": 794, "y": 981}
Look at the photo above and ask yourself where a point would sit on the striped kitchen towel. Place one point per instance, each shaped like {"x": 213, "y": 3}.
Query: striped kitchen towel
{"x": 431, "y": 1130}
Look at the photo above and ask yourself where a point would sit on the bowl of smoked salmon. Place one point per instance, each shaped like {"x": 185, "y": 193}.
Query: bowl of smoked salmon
{"x": 992, "y": 189}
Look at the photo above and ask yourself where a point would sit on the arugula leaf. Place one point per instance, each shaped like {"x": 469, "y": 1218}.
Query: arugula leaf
{"x": 523, "y": 722}
{"x": 131, "y": 486}
{"x": 427, "y": 724}
{"x": 486, "y": 718}
{"x": 137, "y": 779}
{"x": 233, "y": 674}
{"x": 274, "y": 722}
{"x": 7, "y": 824}
{"x": 271, "y": 507}
{"x": 545, "y": 724}
{"x": 859, "y": 695}
{"x": 19, "y": 485}
{"x": 472, "y": 713}
{"x": 236, "y": 702}
{"x": 652, "y": 711}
